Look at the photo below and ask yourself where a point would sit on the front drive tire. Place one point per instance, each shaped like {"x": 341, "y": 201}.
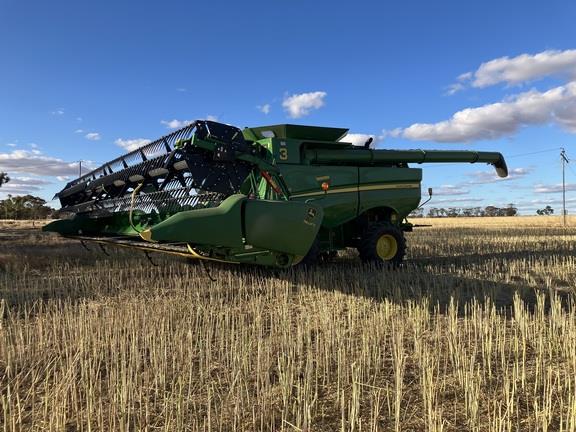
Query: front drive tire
{"x": 382, "y": 244}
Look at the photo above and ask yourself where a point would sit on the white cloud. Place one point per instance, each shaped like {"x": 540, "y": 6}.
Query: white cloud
{"x": 23, "y": 161}
{"x": 556, "y": 106}
{"x": 181, "y": 89}
{"x": 78, "y": 131}
{"x": 552, "y": 201}
{"x": 12, "y": 145}
{"x": 451, "y": 190}
{"x": 212, "y": 118}
{"x": 525, "y": 67}
{"x": 264, "y": 108}
{"x": 359, "y": 139}
{"x": 132, "y": 144}
{"x": 485, "y": 177}
{"x": 58, "y": 112}
{"x": 394, "y": 133}
{"x": 300, "y": 105}
{"x": 93, "y": 136}
{"x": 465, "y": 76}
{"x": 454, "y": 88}
{"x": 544, "y": 188}
{"x": 454, "y": 200}
{"x": 175, "y": 124}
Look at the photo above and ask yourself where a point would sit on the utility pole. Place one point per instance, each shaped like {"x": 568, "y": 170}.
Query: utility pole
{"x": 79, "y": 168}
{"x": 564, "y": 161}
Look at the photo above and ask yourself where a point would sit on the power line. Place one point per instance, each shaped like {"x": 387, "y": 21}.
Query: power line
{"x": 43, "y": 165}
{"x": 536, "y": 152}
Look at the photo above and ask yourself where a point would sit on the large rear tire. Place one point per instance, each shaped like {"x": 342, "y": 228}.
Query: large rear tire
{"x": 382, "y": 243}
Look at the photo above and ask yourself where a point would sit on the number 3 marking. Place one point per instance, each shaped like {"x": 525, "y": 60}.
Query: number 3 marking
{"x": 283, "y": 154}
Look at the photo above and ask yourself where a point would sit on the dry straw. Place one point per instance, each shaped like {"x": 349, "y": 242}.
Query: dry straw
{"x": 477, "y": 332}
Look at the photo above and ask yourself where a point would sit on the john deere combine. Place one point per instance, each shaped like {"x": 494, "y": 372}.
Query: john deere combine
{"x": 272, "y": 195}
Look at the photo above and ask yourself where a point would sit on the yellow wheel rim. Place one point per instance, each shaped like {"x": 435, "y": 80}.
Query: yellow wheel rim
{"x": 387, "y": 247}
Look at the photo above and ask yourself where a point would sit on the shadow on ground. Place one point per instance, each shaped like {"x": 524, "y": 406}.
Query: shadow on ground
{"x": 32, "y": 255}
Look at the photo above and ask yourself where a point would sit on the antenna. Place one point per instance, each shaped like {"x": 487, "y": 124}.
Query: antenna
{"x": 564, "y": 161}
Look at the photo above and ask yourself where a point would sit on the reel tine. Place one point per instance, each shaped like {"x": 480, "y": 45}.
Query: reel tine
{"x": 103, "y": 249}
{"x": 85, "y": 246}
{"x": 150, "y": 258}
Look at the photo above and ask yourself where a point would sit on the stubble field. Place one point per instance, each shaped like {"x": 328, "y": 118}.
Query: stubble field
{"x": 476, "y": 332}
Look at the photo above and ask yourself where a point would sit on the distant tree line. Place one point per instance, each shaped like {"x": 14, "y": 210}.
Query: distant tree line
{"x": 511, "y": 210}
{"x": 25, "y": 207}
{"x": 489, "y": 211}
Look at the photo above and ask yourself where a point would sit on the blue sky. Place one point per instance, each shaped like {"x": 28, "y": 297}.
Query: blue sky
{"x": 87, "y": 80}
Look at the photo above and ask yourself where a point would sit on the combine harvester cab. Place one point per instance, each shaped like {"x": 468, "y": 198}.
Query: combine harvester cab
{"x": 272, "y": 195}
{"x": 200, "y": 192}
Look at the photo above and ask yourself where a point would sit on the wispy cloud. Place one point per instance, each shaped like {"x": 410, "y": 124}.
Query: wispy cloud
{"x": 455, "y": 200}
{"x": 58, "y": 112}
{"x": 451, "y": 190}
{"x": 553, "y": 188}
{"x": 175, "y": 124}
{"x": 132, "y": 144}
{"x": 300, "y": 105}
{"x": 264, "y": 108}
{"x": 454, "y": 88}
{"x": 93, "y": 136}
{"x": 23, "y": 185}
{"x": 484, "y": 177}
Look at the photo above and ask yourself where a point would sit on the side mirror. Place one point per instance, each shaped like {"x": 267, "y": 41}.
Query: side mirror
{"x": 429, "y": 198}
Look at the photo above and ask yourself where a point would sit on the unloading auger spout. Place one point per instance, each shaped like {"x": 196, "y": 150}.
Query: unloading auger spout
{"x": 380, "y": 156}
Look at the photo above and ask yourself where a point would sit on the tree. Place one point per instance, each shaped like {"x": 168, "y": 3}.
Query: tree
{"x": 4, "y": 178}
{"x": 491, "y": 211}
{"x": 417, "y": 213}
{"x": 25, "y": 207}
{"x": 546, "y": 211}
{"x": 510, "y": 210}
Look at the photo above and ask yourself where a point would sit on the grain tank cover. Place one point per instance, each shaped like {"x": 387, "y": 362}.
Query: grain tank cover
{"x": 298, "y": 132}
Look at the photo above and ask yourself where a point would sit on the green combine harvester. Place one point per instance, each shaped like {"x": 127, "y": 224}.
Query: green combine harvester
{"x": 273, "y": 195}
